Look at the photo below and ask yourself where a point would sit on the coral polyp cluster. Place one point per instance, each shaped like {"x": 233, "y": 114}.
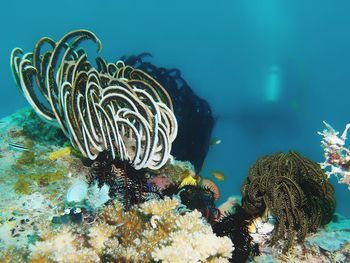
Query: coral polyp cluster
{"x": 153, "y": 231}
{"x": 115, "y": 108}
{"x": 294, "y": 190}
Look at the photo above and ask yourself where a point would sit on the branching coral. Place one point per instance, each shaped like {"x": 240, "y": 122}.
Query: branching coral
{"x": 115, "y": 108}
{"x": 337, "y": 156}
{"x": 63, "y": 246}
{"x": 296, "y": 192}
{"x": 151, "y": 232}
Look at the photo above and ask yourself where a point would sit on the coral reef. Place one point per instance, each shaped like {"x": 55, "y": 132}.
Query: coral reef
{"x": 104, "y": 187}
{"x": 294, "y": 190}
{"x": 153, "y": 231}
{"x": 31, "y": 224}
{"x": 337, "y": 156}
{"x": 115, "y": 109}
{"x": 329, "y": 244}
{"x": 176, "y": 171}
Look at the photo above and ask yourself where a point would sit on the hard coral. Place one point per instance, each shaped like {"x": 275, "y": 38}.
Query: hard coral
{"x": 150, "y": 232}
{"x": 337, "y": 155}
{"x": 296, "y": 192}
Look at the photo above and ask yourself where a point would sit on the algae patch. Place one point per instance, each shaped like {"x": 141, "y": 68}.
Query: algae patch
{"x": 26, "y": 182}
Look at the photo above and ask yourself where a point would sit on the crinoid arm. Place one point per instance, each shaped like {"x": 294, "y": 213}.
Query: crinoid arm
{"x": 114, "y": 108}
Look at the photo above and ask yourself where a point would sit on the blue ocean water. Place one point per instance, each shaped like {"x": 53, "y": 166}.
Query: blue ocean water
{"x": 272, "y": 71}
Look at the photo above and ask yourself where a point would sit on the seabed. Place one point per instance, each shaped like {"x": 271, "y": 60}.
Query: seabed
{"x": 35, "y": 225}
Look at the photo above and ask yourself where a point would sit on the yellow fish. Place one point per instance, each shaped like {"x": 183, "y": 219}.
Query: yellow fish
{"x": 188, "y": 180}
{"x": 218, "y": 175}
{"x": 60, "y": 153}
{"x": 215, "y": 142}
{"x": 252, "y": 228}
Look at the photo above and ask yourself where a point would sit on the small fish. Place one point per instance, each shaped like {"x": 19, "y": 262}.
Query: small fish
{"x": 19, "y": 147}
{"x": 218, "y": 175}
{"x": 60, "y": 153}
{"x": 215, "y": 142}
{"x": 253, "y": 228}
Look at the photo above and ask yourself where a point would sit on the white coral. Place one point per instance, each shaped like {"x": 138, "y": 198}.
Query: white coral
{"x": 62, "y": 247}
{"x": 159, "y": 207}
{"x": 98, "y": 235}
{"x": 337, "y": 156}
{"x": 195, "y": 240}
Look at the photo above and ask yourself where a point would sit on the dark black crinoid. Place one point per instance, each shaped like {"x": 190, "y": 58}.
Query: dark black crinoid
{"x": 235, "y": 226}
{"x": 127, "y": 185}
{"x": 200, "y": 198}
{"x": 192, "y": 113}
{"x": 295, "y": 190}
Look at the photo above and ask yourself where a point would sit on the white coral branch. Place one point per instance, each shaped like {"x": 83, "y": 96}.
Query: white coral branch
{"x": 337, "y": 156}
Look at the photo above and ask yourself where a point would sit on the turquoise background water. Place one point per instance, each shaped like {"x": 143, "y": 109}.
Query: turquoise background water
{"x": 272, "y": 70}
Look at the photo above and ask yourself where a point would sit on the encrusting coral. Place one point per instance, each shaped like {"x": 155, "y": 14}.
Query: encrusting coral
{"x": 295, "y": 190}
{"x": 115, "y": 108}
{"x": 63, "y": 246}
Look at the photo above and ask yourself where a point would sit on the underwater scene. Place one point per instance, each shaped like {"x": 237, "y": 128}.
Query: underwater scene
{"x": 186, "y": 131}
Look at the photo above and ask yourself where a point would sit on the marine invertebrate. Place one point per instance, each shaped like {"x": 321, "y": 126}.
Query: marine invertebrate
{"x": 98, "y": 234}
{"x": 294, "y": 189}
{"x": 60, "y": 153}
{"x": 235, "y": 226}
{"x": 200, "y": 198}
{"x": 176, "y": 171}
{"x": 192, "y": 112}
{"x": 149, "y": 232}
{"x": 161, "y": 231}
{"x": 61, "y": 247}
{"x": 206, "y": 183}
{"x": 337, "y": 156}
{"x": 115, "y": 108}
{"x": 126, "y": 184}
